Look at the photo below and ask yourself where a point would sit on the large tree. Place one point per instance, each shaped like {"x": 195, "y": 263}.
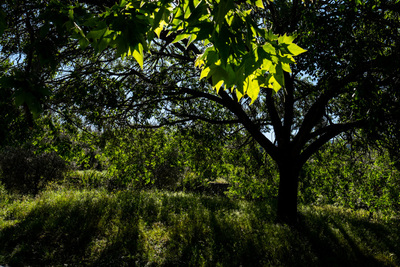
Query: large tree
{"x": 347, "y": 80}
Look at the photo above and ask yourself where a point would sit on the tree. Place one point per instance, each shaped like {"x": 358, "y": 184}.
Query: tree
{"x": 345, "y": 81}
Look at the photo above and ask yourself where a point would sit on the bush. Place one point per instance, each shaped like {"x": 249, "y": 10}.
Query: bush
{"x": 143, "y": 159}
{"x": 347, "y": 176}
{"x": 26, "y": 172}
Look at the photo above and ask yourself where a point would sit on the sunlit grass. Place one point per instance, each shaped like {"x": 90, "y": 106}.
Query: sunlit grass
{"x": 158, "y": 228}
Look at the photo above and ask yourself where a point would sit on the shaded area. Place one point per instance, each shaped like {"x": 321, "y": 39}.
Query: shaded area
{"x": 341, "y": 237}
{"x": 176, "y": 229}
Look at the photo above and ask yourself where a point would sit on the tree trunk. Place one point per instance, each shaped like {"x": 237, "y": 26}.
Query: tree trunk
{"x": 288, "y": 190}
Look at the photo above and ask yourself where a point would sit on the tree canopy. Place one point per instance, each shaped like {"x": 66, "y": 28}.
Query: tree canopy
{"x": 237, "y": 52}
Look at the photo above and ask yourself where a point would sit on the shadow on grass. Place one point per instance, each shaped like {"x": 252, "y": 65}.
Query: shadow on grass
{"x": 96, "y": 228}
{"x": 347, "y": 238}
{"x": 61, "y": 231}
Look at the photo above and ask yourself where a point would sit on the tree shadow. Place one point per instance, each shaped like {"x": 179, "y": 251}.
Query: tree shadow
{"x": 61, "y": 234}
{"x": 347, "y": 241}
{"x": 195, "y": 230}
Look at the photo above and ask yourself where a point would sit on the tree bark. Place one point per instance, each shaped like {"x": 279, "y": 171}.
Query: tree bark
{"x": 289, "y": 173}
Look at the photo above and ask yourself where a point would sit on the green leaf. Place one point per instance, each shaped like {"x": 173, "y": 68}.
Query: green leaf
{"x": 295, "y": 50}
{"x": 251, "y": 87}
{"x": 269, "y": 48}
{"x": 286, "y": 67}
{"x": 288, "y": 59}
{"x": 160, "y": 28}
{"x": 259, "y": 3}
{"x": 218, "y": 85}
{"x": 222, "y": 9}
{"x": 284, "y": 39}
{"x": 206, "y": 29}
{"x": 229, "y": 18}
{"x": 222, "y": 43}
{"x": 71, "y": 14}
{"x": 233, "y": 57}
{"x": 231, "y": 80}
{"x": 266, "y": 64}
{"x": 104, "y": 42}
{"x": 180, "y": 37}
{"x": 121, "y": 45}
{"x": 279, "y": 75}
{"x": 138, "y": 54}
{"x": 198, "y": 14}
{"x": 204, "y": 73}
{"x": 219, "y": 75}
{"x": 250, "y": 63}
{"x": 270, "y": 36}
{"x": 97, "y": 33}
{"x": 83, "y": 42}
{"x": 158, "y": 16}
{"x": 191, "y": 39}
{"x": 239, "y": 93}
{"x": 274, "y": 83}
{"x": 211, "y": 55}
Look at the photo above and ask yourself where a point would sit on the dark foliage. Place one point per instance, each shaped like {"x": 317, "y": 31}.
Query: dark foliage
{"x": 24, "y": 171}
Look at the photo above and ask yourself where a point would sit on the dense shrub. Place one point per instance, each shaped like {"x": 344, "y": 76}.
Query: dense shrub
{"x": 143, "y": 158}
{"x": 251, "y": 172}
{"x": 26, "y": 172}
{"x": 189, "y": 159}
{"x": 81, "y": 148}
{"x": 347, "y": 176}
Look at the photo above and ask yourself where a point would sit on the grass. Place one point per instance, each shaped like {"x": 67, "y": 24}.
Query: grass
{"x": 82, "y": 227}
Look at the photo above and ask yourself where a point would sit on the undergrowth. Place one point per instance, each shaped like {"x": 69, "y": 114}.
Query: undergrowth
{"x": 159, "y": 228}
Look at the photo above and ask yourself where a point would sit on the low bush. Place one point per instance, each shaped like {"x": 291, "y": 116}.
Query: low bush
{"x": 26, "y": 172}
{"x": 344, "y": 176}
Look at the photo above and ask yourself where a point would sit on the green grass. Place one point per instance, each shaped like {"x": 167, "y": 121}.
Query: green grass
{"x": 157, "y": 228}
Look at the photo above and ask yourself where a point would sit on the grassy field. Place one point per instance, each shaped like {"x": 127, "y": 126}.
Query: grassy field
{"x": 64, "y": 227}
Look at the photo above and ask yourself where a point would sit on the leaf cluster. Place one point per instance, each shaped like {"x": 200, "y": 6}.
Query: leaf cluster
{"x": 239, "y": 52}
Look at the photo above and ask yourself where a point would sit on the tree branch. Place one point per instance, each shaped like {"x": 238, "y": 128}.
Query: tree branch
{"x": 212, "y": 121}
{"x": 333, "y": 87}
{"x": 252, "y": 128}
{"x": 329, "y": 132}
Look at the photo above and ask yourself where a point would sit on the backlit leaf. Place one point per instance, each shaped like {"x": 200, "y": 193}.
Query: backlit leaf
{"x": 295, "y": 50}
{"x": 269, "y": 48}
{"x": 180, "y": 37}
{"x": 286, "y": 67}
{"x": 259, "y": 3}
{"x": 138, "y": 54}
{"x": 204, "y": 73}
{"x": 285, "y": 39}
{"x": 252, "y": 87}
